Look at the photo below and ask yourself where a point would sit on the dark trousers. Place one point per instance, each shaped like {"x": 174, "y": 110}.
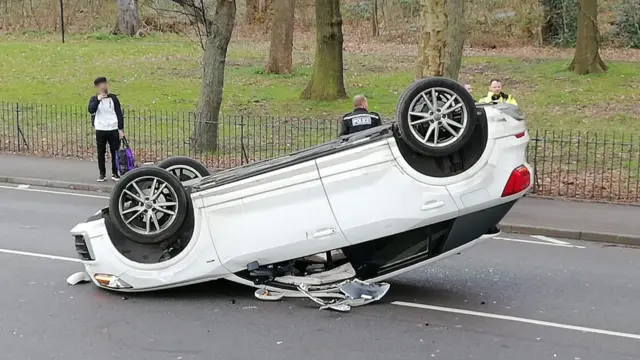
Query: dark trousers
{"x": 111, "y": 137}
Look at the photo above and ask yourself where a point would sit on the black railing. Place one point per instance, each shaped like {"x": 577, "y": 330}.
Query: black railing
{"x": 600, "y": 166}
{"x": 586, "y": 165}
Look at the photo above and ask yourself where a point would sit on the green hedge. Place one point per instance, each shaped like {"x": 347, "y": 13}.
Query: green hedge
{"x": 628, "y": 22}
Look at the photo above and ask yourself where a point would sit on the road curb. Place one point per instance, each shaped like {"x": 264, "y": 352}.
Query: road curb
{"x": 586, "y": 201}
{"x": 70, "y": 185}
{"x": 622, "y": 239}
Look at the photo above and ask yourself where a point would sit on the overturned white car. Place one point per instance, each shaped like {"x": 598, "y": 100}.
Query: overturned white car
{"x": 356, "y": 210}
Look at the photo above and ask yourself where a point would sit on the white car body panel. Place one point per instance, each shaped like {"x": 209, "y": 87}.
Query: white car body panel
{"x": 272, "y": 217}
{"x": 362, "y": 197}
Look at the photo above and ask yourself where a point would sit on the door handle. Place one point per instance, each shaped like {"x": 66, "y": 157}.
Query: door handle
{"x": 432, "y": 205}
{"x": 324, "y": 232}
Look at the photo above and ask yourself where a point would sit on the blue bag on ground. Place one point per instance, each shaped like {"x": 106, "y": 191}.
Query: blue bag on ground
{"x": 124, "y": 158}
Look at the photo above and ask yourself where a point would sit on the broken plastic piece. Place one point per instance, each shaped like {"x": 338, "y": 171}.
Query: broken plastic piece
{"x": 79, "y": 277}
{"x": 305, "y": 290}
{"x": 362, "y": 293}
{"x": 264, "y": 294}
{"x": 336, "y": 275}
{"x": 342, "y": 307}
{"x": 356, "y": 293}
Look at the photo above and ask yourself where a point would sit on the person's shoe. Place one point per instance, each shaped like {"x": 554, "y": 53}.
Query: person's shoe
{"x": 102, "y": 178}
{"x": 115, "y": 177}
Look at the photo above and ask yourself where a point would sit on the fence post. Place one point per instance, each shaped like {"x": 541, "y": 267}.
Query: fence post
{"x": 241, "y": 139}
{"x": 19, "y": 132}
{"x": 243, "y": 152}
{"x": 18, "y": 125}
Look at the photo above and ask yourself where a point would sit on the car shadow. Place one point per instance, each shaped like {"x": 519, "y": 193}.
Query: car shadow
{"x": 452, "y": 292}
{"x": 426, "y": 293}
{"x": 211, "y": 290}
{"x": 219, "y": 289}
{"x": 227, "y": 291}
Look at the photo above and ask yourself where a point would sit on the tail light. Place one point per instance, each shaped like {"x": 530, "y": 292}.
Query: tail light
{"x": 519, "y": 180}
{"x": 522, "y": 134}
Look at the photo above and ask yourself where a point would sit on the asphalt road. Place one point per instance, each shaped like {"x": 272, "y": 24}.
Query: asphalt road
{"x": 510, "y": 287}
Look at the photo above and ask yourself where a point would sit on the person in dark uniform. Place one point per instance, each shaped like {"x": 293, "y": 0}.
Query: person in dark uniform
{"x": 360, "y": 118}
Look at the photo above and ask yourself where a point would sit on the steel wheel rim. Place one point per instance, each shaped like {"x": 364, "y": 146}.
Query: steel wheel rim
{"x": 179, "y": 172}
{"x": 437, "y": 117}
{"x": 152, "y": 208}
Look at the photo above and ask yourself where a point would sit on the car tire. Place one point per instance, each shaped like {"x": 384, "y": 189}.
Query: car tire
{"x": 184, "y": 168}
{"x": 153, "y": 216}
{"x": 440, "y": 130}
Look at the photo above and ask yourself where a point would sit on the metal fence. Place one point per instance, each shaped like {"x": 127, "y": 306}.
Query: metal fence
{"x": 584, "y": 165}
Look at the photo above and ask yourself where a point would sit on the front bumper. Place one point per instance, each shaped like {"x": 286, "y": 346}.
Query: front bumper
{"x": 86, "y": 235}
{"x": 82, "y": 233}
{"x": 108, "y": 268}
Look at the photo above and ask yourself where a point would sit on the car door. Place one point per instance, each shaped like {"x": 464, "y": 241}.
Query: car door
{"x": 277, "y": 216}
{"x": 372, "y": 197}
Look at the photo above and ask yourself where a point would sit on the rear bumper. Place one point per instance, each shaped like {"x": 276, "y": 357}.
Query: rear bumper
{"x": 472, "y": 226}
{"x": 464, "y": 233}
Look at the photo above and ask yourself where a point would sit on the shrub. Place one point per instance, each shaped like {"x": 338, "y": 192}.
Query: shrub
{"x": 561, "y": 22}
{"x": 357, "y": 11}
{"x": 628, "y": 22}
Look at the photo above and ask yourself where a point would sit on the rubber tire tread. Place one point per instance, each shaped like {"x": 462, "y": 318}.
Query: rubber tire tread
{"x": 171, "y": 181}
{"x": 402, "y": 109}
{"x": 184, "y": 160}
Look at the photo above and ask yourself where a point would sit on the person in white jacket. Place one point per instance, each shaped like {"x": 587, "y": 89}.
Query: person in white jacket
{"x": 108, "y": 120}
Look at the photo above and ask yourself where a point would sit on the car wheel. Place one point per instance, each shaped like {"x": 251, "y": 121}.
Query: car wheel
{"x": 436, "y": 116}
{"x": 148, "y": 205}
{"x": 184, "y": 168}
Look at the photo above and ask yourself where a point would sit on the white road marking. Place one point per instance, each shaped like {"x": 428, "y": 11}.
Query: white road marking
{"x": 551, "y": 240}
{"x": 538, "y": 242}
{"x": 53, "y": 192}
{"x": 23, "y": 186}
{"x": 518, "y": 319}
{"x": 38, "y": 255}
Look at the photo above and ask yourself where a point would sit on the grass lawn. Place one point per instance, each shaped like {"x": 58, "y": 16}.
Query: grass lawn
{"x": 163, "y": 73}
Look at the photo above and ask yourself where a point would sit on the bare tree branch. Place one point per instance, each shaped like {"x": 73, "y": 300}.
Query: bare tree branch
{"x": 193, "y": 8}
{"x": 195, "y": 11}
{"x": 193, "y": 22}
{"x": 176, "y": 11}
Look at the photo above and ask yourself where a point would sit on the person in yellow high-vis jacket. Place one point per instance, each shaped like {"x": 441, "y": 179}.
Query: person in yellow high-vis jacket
{"x": 496, "y": 94}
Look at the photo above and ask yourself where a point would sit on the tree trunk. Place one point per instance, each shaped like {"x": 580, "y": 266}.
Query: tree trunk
{"x": 281, "y": 48}
{"x": 257, "y": 11}
{"x": 433, "y": 38}
{"x": 587, "y": 57}
{"x": 128, "y": 21}
{"x": 375, "y": 28}
{"x": 327, "y": 79}
{"x": 221, "y": 21}
{"x": 456, "y": 34}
